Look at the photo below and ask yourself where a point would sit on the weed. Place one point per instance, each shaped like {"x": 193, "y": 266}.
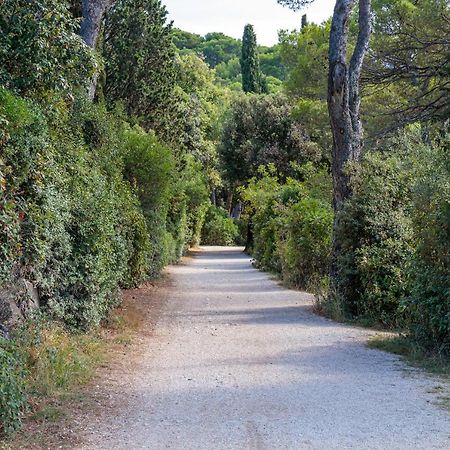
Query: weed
{"x": 407, "y": 349}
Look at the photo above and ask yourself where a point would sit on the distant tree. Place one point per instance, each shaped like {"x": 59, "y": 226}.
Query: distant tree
{"x": 259, "y": 131}
{"x": 218, "y": 48}
{"x": 185, "y": 40}
{"x": 252, "y": 79}
{"x": 304, "y": 21}
{"x": 305, "y": 54}
{"x": 271, "y": 63}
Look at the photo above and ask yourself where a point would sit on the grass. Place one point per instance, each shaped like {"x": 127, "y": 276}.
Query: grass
{"x": 44, "y": 362}
{"x": 48, "y": 413}
{"x": 404, "y": 347}
{"x": 415, "y": 357}
{"x": 58, "y": 365}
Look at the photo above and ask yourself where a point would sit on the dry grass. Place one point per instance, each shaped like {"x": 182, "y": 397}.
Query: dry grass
{"x": 68, "y": 369}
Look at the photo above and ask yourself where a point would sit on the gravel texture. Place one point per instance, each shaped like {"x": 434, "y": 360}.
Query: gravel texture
{"x": 238, "y": 362}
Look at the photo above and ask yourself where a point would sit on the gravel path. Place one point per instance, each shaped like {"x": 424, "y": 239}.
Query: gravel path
{"x": 237, "y": 362}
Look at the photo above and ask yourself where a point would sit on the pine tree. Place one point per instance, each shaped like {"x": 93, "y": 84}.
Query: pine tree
{"x": 252, "y": 79}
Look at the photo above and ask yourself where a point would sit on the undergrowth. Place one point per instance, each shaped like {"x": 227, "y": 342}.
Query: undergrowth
{"x": 406, "y": 348}
{"x": 42, "y": 360}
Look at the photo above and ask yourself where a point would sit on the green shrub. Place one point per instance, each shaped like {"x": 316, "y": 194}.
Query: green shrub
{"x": 376, "y": 239}
{"x": 219, "y": 229}
{"x": 149, "y": 167}
{"x": 197, "y": 200}
{"x": 260, "y": 197}
{"x": 265, "y": 225}
{"x": 40, "y": 49}
{"x": 12, "y": 389}
{"x": 72, "y": 224}
{"x": 292, "y": 225}
{"x": 305, "y": 243}
{"x": 428, "y": 305}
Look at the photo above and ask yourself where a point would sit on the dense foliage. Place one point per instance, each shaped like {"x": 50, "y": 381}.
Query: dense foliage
{"x": 408, "y": 59}
{"x": 28, "y": 63}
{"x": 261, "y": 130}
{"x": 140, "y": 63}
{"x": 428, "y": 304}
{"x": 394, "y": 268}
{"x": 223, "y": 53}
{"x": 94, "y": 196}
{"x": 219, "y": 228}
{"x": 292, "y": 223}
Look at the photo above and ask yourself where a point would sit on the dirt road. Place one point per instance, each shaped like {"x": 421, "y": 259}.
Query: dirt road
{"x": 237, "y": 362}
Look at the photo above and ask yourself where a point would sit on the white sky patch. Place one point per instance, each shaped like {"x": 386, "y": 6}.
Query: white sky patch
{"x": 230, "y": 16}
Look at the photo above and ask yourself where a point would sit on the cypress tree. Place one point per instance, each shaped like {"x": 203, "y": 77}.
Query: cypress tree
{"x": 304, "y": 21}
{"x": 252, "y": 80}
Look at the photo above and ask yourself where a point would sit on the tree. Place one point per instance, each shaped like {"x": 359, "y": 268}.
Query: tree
{"x": 260, "y": 131}
{"x": 40, "y": 49}
{"x": 140, "y": 64}
{"x": 304, "y": 21}
{"x": 219, "y": 48}
{"x": 202, "y": 103}
{"x": 305, "y": 54}
{"x": 409, "y": 59}
{"x": 344, "y": 100}
{"x": 252, "y": 80}
{"x": 93, "y": 12}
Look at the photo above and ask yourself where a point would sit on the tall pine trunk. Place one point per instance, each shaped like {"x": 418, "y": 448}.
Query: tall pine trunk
{"x": 344, "y": 106}
{"x": 93, "y": 12}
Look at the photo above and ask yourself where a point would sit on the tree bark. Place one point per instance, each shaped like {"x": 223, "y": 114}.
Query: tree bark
{"x": 250, "y": 236}
{"x": 230, "y": 196}
{"x": 214, "y": 197}
{"x": 344, "y": 104}
{"x": 93, "y": 12}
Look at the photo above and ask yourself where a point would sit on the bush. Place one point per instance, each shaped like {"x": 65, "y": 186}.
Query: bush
{"x": 72, "y": 224}
{"x": 40, "y": 49}
{"x": 264, "y": 247}
{"x": 12, "y": 390}
{"x": 305, "y": 243}
{"x": 292, "y": 225}
{"x": 376, "y": 238}
{"x": 149, "y": 167}
{"x": 219, "y": 229}
{"x": 394, "y": 234}
{"x": 197, "y": 200}
{"x": 428, "y": 305}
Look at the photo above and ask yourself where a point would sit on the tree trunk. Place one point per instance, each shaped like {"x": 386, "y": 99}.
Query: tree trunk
{"x": 214, "y": 197}
{"x": 344, "y": 104}
{"x": 93, "y": 13}
{"x": 230, "y": 196}
{"x": 250, "y": 236}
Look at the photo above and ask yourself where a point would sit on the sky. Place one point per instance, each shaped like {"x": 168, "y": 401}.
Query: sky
{"x": 230, "y": 16}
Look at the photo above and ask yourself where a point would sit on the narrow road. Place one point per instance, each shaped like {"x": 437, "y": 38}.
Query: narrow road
{"x": 238, "y": 362}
